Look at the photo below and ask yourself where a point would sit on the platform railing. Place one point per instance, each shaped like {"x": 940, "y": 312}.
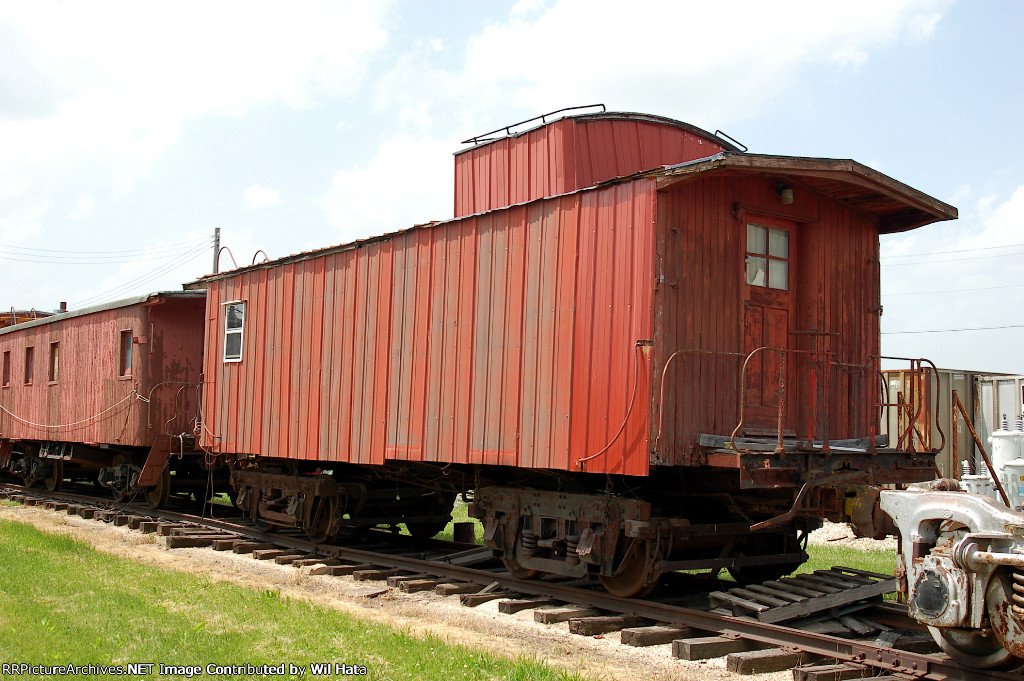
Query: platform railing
{"x": 912, "y": 408}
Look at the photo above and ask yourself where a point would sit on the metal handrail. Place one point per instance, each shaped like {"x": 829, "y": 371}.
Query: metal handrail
{"x": 822, "y": 364}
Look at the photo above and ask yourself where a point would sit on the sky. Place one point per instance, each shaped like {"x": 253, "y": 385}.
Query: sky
{"x": 130, "y": 131}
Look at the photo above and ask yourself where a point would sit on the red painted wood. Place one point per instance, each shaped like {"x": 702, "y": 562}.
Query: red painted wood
{"x": 464, "y": 341}
{"x": 89, "y": 391}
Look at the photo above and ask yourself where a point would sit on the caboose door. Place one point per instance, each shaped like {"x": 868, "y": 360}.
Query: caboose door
{"x": 768, "y": 304}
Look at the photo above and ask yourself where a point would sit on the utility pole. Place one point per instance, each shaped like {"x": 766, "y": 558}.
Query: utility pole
{"x": 216, "y": 250}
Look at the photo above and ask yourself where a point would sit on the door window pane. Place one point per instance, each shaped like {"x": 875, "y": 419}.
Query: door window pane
{"x": 778, "y": 274}
{"x": 778, "y": 243}
{"x": 756, "y": 270}
{"x": 756, "y": 239}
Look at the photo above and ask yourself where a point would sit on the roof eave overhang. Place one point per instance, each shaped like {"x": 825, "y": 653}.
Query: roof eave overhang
{"x": 920, "y": 208}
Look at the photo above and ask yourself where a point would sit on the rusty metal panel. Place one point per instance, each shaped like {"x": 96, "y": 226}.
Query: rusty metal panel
{"x": 90, "y": 401}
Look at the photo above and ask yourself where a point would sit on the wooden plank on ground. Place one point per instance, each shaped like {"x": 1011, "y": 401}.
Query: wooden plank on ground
{"x": 832, "y": 600}
{"x": 736, "y": 604}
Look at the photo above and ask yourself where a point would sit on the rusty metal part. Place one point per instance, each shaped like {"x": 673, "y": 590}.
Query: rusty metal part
{"x": 867, "y": 516}
{"x": 959, "y": 553}
{"x": 919, "y": 372}
{"x": 959, "y": 406}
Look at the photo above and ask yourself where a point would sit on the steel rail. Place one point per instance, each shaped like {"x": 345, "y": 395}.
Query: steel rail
{"x": 888, "y": 660}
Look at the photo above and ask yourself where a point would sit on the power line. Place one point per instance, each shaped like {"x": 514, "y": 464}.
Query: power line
{"x": 96, "y": 260}
{"x": 952, "y": 290}
{"x": 975, "y": 257}
{"x": 976, "y": 328}
{"x": 182, "y": 244}
{"x": 959, "y": 250}
{"x": 143, "y": 279}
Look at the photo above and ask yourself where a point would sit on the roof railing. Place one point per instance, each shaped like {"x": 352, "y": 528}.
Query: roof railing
{"x": 543, "y": 118}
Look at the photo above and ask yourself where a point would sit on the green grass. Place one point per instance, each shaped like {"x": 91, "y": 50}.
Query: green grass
{"x": 824, "y": 557}
{"x": 460, "y": 515}
{"x": 63, "y": 602}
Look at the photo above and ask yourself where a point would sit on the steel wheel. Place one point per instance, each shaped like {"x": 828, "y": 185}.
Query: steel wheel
{"x": 971, "y": 648}
{"x": 1007, "y": 627}
{"x": 161, "y": 492}
{"x": 56, "y": 478}
{"x": 629, "y": 579}
{"x": 517, "y": 570}
{"x": 120, "y": 497}
{"x": 321, "y": 524}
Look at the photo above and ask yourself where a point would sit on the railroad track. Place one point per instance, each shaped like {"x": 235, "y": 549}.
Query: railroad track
{"x": 754, "y": 626}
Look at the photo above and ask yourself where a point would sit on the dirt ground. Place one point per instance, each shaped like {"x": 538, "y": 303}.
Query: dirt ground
{"x": 601, "y": 657}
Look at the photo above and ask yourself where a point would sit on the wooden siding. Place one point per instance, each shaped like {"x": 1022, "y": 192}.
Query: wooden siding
{"x": 699, "y": 306}
{"x": 89, "y": 392}
{"x": 566, "y": 155}
{"x": 507, "y": 338}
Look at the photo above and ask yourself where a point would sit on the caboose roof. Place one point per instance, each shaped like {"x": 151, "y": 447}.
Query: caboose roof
{"x": 898, "y": 207}
{"x": 152, "y": 298}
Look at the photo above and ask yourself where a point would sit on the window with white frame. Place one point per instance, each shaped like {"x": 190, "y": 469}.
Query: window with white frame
{"x": 234, "y": 326}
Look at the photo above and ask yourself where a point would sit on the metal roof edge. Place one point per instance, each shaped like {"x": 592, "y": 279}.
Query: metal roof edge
{"x": 113, "y": 305}
{"x": 809, "y": 165}
{"x": 387, "y": 236}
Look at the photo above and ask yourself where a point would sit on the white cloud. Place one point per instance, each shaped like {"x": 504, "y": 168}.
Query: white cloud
{"x": 258, "y": 196}
{"x": 118, "y": 80}
{"x": 85, "y": 207}
{"x": 409, "y": 181}
{"x": 708, "y": 63}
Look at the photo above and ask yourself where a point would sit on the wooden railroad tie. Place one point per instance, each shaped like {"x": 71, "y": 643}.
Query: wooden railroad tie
{"x": 342, "y": 570}
{"x": 456, "y": 588}
{"x": 563, "y": 614}
{"x": 192, "y": 541}
{"x": 244, "y": 546}
{"x": 654, "y": 635}
{"x": 490, "y": 592}
{"x": 417, "y": 585}
{"x": 765, "y": 661}
{"x": 510, "y": 607}
{"x": 603, "y": 624}
{"x": 707, "y": 647}
{"x": 830, "y": 672}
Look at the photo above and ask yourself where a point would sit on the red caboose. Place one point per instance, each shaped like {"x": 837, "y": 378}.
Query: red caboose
{"x": 633, "y": 342}
{"x": 110, "y": 388}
